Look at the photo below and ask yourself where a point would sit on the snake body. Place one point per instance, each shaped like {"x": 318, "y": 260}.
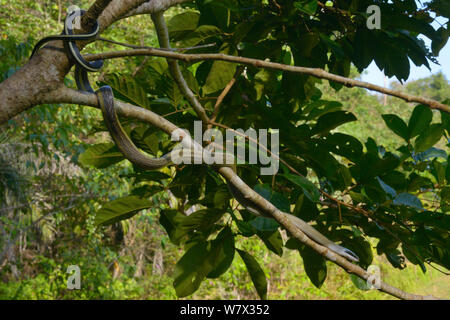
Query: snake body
{"x": 105, "y": 98}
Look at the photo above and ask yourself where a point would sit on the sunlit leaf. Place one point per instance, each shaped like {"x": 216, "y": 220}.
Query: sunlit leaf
{"x": 121, "y": 209}
{"x": 101, "y": 155}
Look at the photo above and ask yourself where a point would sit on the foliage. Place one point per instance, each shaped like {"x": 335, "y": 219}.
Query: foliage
{"x": 402, "y": 184}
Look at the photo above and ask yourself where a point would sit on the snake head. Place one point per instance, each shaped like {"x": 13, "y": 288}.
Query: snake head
{"x": 349, "y": 254}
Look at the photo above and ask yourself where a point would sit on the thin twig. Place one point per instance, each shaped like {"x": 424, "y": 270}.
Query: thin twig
{"x": 224, "y": 93}
{"x": 133, "y": 46}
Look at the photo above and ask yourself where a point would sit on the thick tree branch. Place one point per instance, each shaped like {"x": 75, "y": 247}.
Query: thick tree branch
{"x": 45, "y": 72}
{"x": 155, "y": 6}
{"x": 315, "y": 72}
{"x": 66, "y": 95}
{"x": 89, "y": 18}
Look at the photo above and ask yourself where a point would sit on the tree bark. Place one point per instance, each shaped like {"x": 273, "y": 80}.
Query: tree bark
{"x": 45, "y": 71}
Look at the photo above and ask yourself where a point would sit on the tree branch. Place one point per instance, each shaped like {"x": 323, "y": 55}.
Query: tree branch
{"x": 174, "y": 68}
{"x": 45, "y": 72}
{"x": 154, "y": 6}
{"x": 89, "y": 18}
{"x": 66, "y": 95}
{"x": 315, "y": 72}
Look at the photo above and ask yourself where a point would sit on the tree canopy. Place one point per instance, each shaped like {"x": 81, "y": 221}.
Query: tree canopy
{"x": 384, "y": 190}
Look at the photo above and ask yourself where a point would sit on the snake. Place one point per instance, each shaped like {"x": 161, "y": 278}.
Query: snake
{"x": 105, "y": 97}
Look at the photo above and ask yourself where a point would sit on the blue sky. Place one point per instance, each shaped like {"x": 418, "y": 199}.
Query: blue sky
{"x": 375, "y": 76}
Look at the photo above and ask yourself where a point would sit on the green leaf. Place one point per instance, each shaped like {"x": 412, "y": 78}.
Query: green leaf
{"x": 361, "y": 284}
{"x": 438, "y": 43}
{"x": 321, "y": 107}
{"x": 262, "y": 79}
{"x": 388, "y": 189}
{"x": 438, "y": 170}
{"x": 396, "y": 259}
{"x": 201, "y": 34}
{"x": 147, "y": 176}
{"x": 438, "y": 219}
{"x": 309, "y": 189}
{"x": 335, "y": 48}
{"x": 245, "y": 228}
{"x": 145, "y": 140}
{"x": 185, "y": 21}
{"x": 225, "y": 253}
{"x": 256, "y": 273}
{"x": 276, "y": 198}
{"x": 308, "y": 42}
{"x": 171, "y": 220}
{"x": 416, "y": 182}
{"x": 357, "y": 197}
{"x": 222, "y": 197}
{"x": 146, "y": 191}
{"x": 374, "y": 193}
{"x": 190, "y": 80}
{"x": 388, "y": 246}
{"x": 445, "y": 118}
{"x": 447, "y": 171}
{"x": 432, "y": 153}
{"x": 412, "y": 257}
{"x": 121, "y": 209}
{"x": 101, "y": 155}
{"x": 407, "y": 199}
{"x": 358, "y": 245}
{"x": 293, "y": 244}
{"x": 397, "y": 125}
{"x": 202, "y": 220}
{"x": 428, "y": 138}
{"x": 372, "y": 166}
{"x": 307, "y": 6}
{"x": 206, "y": 259}
{"x": 128, "y": 89}
{"x": 305, "y": 209}
{"x": 273, "y": 241}
{"x": 315, "y": 266}
{"x": 346, "y": 146}
{"x": 363, "y": 53}
{"x": 264, "y": 224}
{"x": 191, "y": 270}
{"x": 396, "y": 63}
{"x": 420, "y": 120}
{"x": 445, "y": 199}
{"x": 220, "y": 74}
{"x": 332, "y": 120}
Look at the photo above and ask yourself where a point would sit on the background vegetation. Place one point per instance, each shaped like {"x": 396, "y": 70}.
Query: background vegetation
{"x": 48, "y": 198}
